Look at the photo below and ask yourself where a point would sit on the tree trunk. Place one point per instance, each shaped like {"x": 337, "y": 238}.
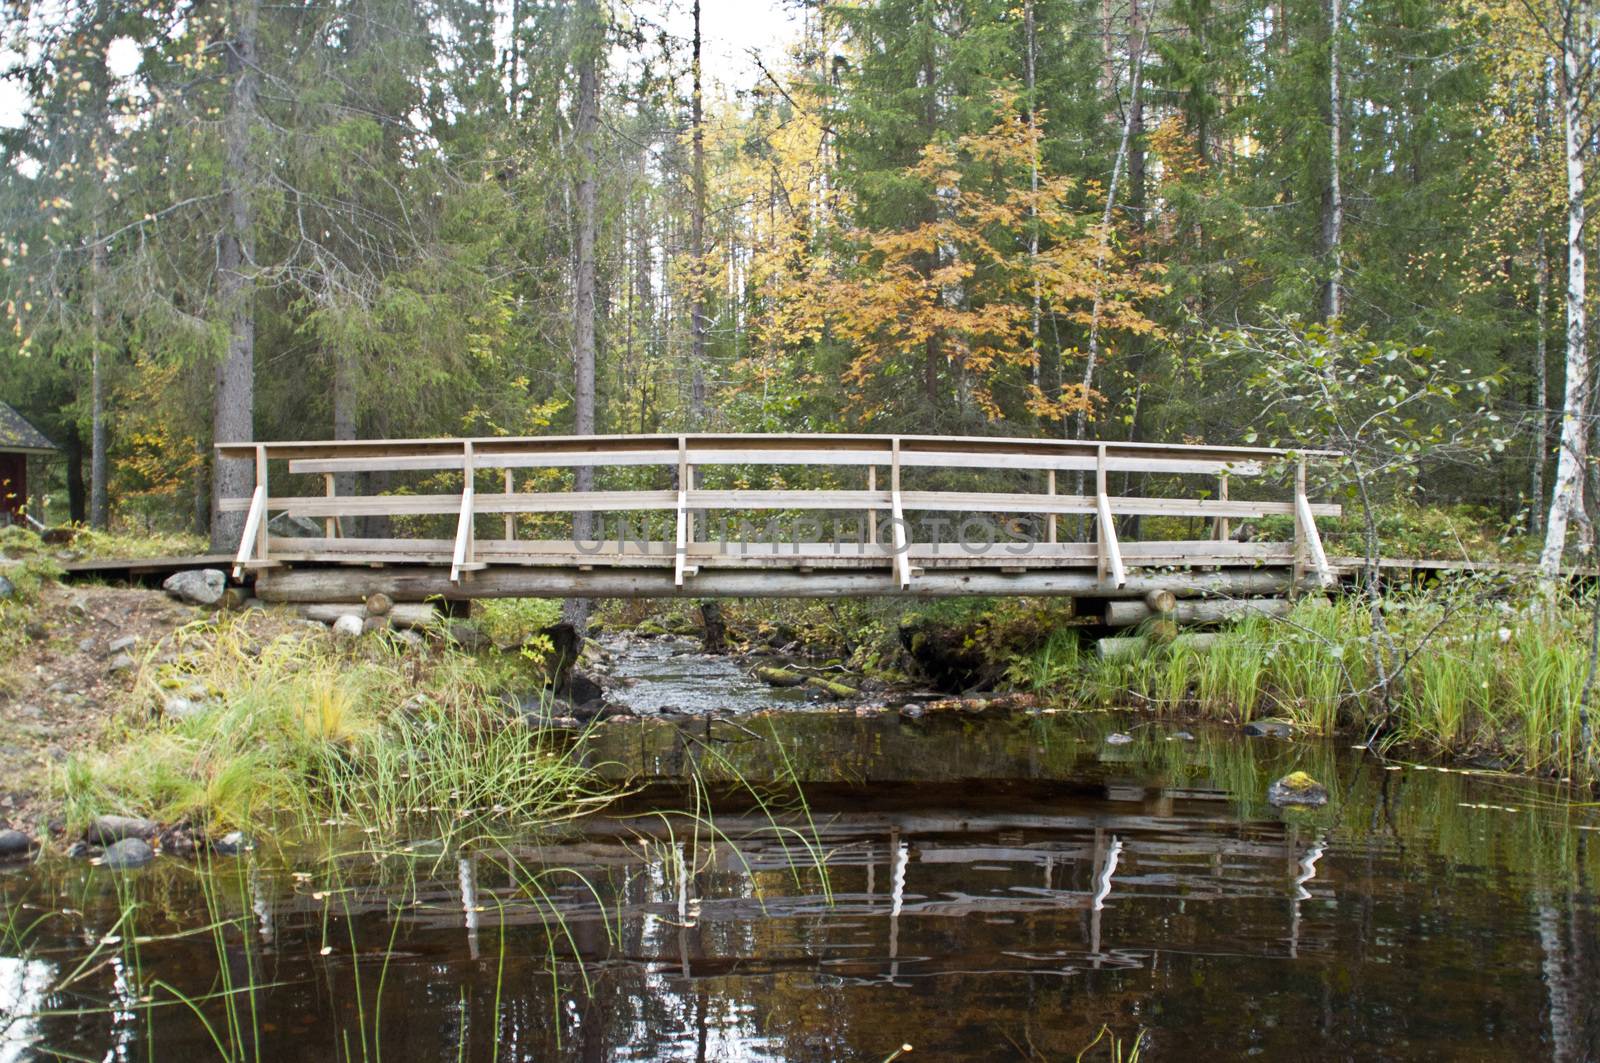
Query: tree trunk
{"x": 77, "y": 498}
{"x": 1333, "y": 207}
{"x": 233, "y": 398}
{"x": 1566, "y": 504}
{"x": 99, "y": 496}
{"x": 344, "y": 424}
{"x": 1029, "y": 49}
{"x": 697, "y": 247}
{"x": 1105, "y": 221}
{"x": 1541, "y": 392}
{"x": 585, "y": 132}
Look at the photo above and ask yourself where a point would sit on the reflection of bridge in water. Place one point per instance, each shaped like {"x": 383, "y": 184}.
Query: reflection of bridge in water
{"x": 907, "y": 515}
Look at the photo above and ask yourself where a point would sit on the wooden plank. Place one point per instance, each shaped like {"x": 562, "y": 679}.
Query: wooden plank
{"x": 977, "y": 502}
{"x": 1006, "y": 502}
{"x": 420, "y": 583}
{"x": 787, "y": 499}
{"x": 700, "y": 556}
{"x": 443, "y": 462}
{"x": 293, "y": 449}
{"x": 423, "y": 505}
{"x": 952, "y": 459}
{"x": 705, "y": 455}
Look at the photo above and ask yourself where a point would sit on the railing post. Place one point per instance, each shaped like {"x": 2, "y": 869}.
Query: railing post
{"x": 1220, "y": 525}
{"x": 681, "y": 567}
{"x": 1050, "y": 521}
{"x": 464, "y": 555}
{"x": 330, "y": 523}
{"x": 1108, "y": 550}
{"x": 872, "y": 512}
{"x": 902, "y": 541}
{"x": 261, "y": 482}
{"x": 1298, "y": 570}
{"x": 1308, "y": 551}
{"x": 511, "y": 518}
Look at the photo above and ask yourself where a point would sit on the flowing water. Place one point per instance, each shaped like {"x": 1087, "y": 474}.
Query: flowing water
{"x": 976, "y": 887}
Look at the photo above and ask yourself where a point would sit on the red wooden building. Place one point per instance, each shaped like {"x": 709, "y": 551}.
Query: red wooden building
{"x": 19, "y": 441}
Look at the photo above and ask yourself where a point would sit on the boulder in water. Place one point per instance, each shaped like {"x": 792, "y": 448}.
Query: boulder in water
{"x": 14, "y": 844}
{"x": 1297, "y": 788}
{"x": 128, "y": 853}
{"x": 108, "y": 829}
{"x": 779, "y": 677}
{"x": 1269, "y": 729}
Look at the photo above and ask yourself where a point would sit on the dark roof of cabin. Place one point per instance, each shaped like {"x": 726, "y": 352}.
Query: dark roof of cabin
{"x": 17, "y": 434}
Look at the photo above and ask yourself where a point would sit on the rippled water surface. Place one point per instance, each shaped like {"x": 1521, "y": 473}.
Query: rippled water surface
{"x": 979, "y": 888}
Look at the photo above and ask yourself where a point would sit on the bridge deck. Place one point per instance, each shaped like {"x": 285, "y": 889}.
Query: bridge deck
{"x": 924, "y": 515}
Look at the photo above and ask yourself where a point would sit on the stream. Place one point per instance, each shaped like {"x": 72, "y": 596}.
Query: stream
{"x": 976, "y": 886}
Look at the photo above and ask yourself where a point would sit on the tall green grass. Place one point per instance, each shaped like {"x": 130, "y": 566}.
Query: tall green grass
{"x": 1473, "y": 671}
{"x": 298, "y": 730}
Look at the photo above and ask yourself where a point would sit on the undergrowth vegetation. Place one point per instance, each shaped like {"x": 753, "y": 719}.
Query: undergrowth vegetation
{"x": 1476, "y": 671}
{"x": 283, "y": 727}
{"x": 25, "y": 569}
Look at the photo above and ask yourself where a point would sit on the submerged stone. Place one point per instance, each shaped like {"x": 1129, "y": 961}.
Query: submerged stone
{"x": 1269, "y": 729}
{"x": 231, "y": 844}
{"x": 1180, "y": 736}
{"x": 1118, "y": 739}
{"x": 128, "y": 853}
{"x": 1297, "y": 788}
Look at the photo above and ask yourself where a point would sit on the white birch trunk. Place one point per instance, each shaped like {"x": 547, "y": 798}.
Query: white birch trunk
{"x": 1333, "y": 225}
{"x": 1566, "y": 502}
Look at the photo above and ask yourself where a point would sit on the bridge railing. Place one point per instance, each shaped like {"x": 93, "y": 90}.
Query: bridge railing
{"x": 883, "y": 466}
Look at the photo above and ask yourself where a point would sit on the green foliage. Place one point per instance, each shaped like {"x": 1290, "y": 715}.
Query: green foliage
{"x": 516, "y": 621}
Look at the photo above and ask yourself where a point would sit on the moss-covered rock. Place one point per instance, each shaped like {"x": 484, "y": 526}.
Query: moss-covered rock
{"x": 1297, "y": 788}
{"x": 778, "y": 677}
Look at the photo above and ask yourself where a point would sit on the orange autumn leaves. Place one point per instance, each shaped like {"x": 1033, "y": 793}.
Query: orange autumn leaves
{"x": 950, "y": 299}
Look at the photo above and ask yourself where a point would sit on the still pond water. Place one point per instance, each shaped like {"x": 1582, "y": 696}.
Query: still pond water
{"x": 980, "y": 888}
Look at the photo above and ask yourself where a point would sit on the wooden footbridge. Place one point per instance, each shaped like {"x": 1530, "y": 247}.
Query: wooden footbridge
{"x": 716, "y": 516}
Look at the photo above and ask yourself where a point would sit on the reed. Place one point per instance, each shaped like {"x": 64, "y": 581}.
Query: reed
{"x": 1478, "y": 671}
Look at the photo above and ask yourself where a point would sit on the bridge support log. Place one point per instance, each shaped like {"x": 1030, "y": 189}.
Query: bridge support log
{"x": 1117, "y": 649}
{"x": 1130, "y": 613}
{"x": 419, "y": 583}
{"x": 401, "y": 615}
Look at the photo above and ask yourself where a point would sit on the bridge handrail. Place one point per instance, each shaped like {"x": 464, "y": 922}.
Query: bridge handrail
{"x": 687, "y": 451}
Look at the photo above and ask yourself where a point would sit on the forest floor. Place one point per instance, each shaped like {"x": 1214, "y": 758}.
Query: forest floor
{"x": 68, "y": 676}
